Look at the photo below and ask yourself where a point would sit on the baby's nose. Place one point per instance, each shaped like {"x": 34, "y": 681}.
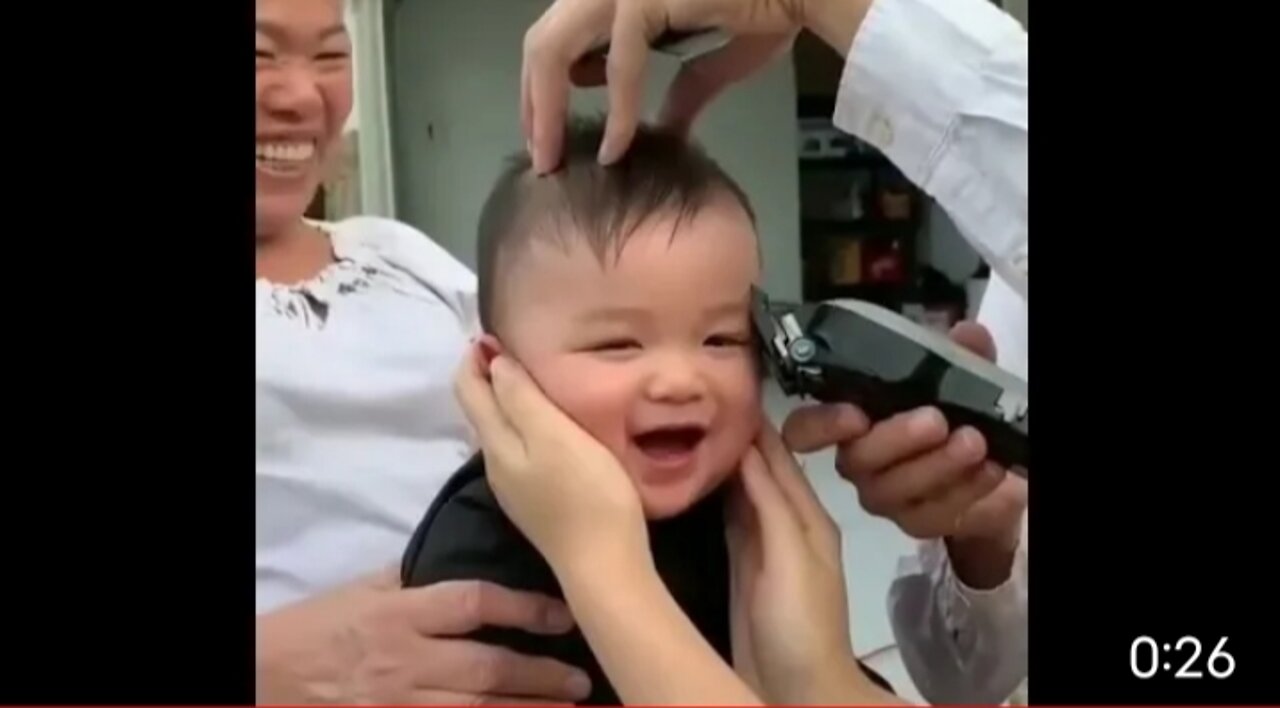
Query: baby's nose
{"x": 676, "y": 379}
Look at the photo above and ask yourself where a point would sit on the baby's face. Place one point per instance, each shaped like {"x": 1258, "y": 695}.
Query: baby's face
{"x": 652, "y": 353}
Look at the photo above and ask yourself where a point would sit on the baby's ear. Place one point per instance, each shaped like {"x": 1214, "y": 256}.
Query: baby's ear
{"x": 489, "y": 347}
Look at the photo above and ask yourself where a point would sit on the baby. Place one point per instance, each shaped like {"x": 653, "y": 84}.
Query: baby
{"x": 625, "y": 294}
{"x": 624, "y": 291}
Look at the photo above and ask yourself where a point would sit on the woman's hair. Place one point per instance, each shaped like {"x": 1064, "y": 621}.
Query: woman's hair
{"x": 660, "y": 174}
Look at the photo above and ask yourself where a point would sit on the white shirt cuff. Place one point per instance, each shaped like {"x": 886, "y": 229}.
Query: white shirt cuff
{"x": 964, "y": 607}
{"x": 912, "y": 68}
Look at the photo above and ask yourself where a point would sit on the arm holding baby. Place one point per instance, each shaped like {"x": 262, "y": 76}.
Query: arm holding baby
{"x": 568, "y": 495}
{"x": 571, "y": 498}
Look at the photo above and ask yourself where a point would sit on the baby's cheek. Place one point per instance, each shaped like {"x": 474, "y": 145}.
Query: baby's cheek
{"x": 742, "y": 394}
{"x": 740, "y": 397}
{"x": 595, "y": 398}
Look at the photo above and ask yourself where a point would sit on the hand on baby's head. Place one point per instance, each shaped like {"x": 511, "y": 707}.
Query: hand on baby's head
{"x": 624, "y": 292}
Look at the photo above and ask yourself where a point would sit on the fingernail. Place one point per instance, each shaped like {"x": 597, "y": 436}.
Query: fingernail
{"x": 578, "y": 685}
{"x": 967, "y": 443}
{"x": 926, "y": 421}
{"x": 848, "y": 416}
{"x": 605, "y": 155}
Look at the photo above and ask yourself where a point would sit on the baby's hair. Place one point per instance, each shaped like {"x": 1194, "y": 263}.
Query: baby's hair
{"x": 661, "y": 174}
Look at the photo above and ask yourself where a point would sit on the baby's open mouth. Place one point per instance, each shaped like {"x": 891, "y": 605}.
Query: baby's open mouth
{"x": 671, "y": 443}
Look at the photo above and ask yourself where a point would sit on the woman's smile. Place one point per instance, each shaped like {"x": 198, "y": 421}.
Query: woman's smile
{"x": 285, "y": 158}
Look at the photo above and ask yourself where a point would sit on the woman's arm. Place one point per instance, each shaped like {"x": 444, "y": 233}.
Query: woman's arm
{"x": 790, "y": 613}
{"x": 648, "y": 647}
{"x": 573, "y": 501}
{"x": 570, "y": 497}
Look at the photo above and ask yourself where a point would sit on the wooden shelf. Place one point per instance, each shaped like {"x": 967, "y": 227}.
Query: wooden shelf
{"x": 828, "y": 182}
{"x": 816, "y": 105}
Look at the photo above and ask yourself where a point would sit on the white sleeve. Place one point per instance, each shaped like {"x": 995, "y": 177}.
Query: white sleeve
{"x": 940, "y": 87}
{"x": 421, "y": 258}
{"x": 959, "y": 644}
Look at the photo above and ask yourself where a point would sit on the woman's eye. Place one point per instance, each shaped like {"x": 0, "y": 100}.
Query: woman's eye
{"x": 262, "y": 54}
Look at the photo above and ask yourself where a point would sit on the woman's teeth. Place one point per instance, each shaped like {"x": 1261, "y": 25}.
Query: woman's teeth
{"x": 284, "y": 157}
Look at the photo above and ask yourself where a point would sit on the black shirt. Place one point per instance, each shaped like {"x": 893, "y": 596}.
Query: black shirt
{"x": 466, "y": 536}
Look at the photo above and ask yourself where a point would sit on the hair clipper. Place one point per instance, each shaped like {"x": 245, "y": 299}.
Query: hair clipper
{"x": 858, "y": 352}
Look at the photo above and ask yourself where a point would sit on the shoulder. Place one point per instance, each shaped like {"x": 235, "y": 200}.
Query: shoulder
{"x": 466, "y": 535}
{"x": 405, "y": 247}
{"x": 407, "y": 250}
{"x": 469, "y": 489}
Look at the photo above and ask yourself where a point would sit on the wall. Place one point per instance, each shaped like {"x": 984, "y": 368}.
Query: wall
{"x": 455, "y": 94}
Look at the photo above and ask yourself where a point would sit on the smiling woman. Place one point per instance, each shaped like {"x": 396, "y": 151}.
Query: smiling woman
{"x": 333, "y": 297}
{"x": 361, "y": 322}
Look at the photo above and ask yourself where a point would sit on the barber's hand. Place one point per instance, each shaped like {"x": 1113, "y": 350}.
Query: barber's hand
{"x": 557, "y": 54}
{"x": 374, "y": 642}
{"x": 789, "y": 606}
{"x": 931, "y": 481}
{"x": 570, "y": 29}
{"x": 561, "y": 487}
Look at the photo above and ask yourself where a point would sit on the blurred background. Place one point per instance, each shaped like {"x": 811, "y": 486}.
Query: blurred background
{"x": 437, "y": 90}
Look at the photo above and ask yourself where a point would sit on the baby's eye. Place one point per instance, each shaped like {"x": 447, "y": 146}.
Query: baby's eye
{"x": 332, "y": 56}
{"x": 615, "y": 345}
{"x": 724, "y": 340}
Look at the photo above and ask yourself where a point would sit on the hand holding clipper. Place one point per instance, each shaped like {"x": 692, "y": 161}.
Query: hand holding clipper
{"x": 857, "y": 352}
